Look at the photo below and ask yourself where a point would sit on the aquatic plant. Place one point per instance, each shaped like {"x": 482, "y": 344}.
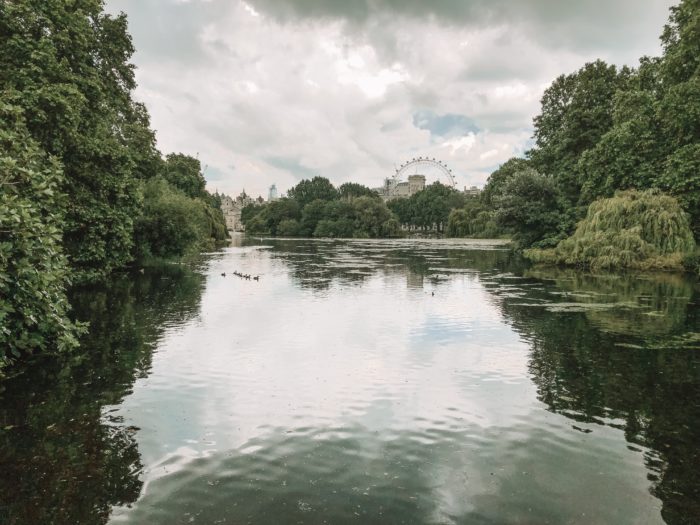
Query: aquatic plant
{"x": 633, "y": 229}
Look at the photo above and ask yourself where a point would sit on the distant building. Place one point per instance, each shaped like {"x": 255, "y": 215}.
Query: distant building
{"x": 401, "y": 190}
{"x": 416, "y": 183}
{"x": 232, "y": 209}
{"x": 472, "y": 191}
{"x": 272, "y": 194}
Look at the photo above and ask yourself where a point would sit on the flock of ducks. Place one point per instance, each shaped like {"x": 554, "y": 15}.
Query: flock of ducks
{"x": 242, "y": 275}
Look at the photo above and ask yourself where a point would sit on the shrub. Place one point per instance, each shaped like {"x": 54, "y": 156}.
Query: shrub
{"x": 474, "y": 220}
{"x": 33, "y": 268}
{"x": 171, "y": 224}
{"x": 288, "y": 228}
{"x": 643, "y": 230}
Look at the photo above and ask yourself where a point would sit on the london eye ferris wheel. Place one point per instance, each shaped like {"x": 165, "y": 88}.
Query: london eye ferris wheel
{"x": 424, "y": 166}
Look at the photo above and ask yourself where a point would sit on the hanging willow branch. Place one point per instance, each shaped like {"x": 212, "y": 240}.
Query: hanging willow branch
{"x": 633, "y": 229}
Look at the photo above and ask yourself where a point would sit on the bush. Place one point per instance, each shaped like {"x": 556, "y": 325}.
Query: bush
{"x": 532, "y": 206}
{"x": 474, "y": 220}
{"x": 171, "y": 224}
{"x": 33, "y": 269}
{"x": 643, "y": 230}
{"x": 288, "y": 228}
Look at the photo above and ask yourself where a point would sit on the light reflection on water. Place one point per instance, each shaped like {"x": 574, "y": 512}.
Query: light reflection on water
{"x": 411, "y": 382}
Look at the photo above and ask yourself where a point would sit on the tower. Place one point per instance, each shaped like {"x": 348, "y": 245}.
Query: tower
{"x": 416, "y": 183}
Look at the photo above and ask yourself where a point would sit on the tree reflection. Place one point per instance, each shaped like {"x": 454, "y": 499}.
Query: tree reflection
{"x": 317, "y": 264}
{"x": 63, "y": 457}
{"x": 635, "y": 367}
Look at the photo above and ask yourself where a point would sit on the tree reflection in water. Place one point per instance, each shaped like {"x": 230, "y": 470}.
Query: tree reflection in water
{"x": 615, "y": 351}
{"x": 316, "y": 264}
{"x": 63, "y": 457}
{"x": 635, "y": 366}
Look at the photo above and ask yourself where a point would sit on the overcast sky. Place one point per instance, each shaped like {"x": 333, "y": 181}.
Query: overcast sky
{"x": 273, "y": 91}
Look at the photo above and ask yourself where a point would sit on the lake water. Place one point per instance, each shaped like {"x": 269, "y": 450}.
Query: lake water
{"x": 364, "y": 382}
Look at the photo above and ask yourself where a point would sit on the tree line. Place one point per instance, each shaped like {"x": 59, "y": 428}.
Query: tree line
{"x": 84, "y": 191}
{"x": 315, "y": 208}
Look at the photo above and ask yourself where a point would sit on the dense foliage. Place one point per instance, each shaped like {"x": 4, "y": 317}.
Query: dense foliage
{"x": 33, "y": 269}
{"x": 633, "y": 229}
{"x": 429, "y": 208}
{"x": 602, "y": 129}
{"x": 315, "y": 208}
{"x": 65, "y": 64}
{"x": 82, "y": 179}
{"x": 178, "y": 215}
{"x": 172, "y": 224}
{"x": 475, "y": 219}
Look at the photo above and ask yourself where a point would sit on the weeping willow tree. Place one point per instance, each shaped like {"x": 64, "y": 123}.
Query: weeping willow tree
{"x": 634, "y": 229}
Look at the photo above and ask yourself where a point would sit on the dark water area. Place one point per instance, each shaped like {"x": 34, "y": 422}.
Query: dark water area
{"x": 363, "y": 382}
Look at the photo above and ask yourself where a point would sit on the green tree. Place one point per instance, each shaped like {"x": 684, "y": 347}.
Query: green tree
{"x": 288, "y": 228}
{"x": 403, "y": 210}
{"x": 336, "y": 228}
{"x": 33, "y": 269}
{"x": 628, "y": 155}
{"x": 312, "y": 213}
{"x": 309, "y": 190}
{"x": 353, "y": 189}
{"x": 171, "y": 224}
{"x": 429, "y": 207}
{"x": 577, "y": 109}
{"x": 681, "y": 44}
{"x": 644, "y": 230}
{"x": 277, "y": 211}
{"x": 532, "y": 206}
{"x": 475, "y": 219}
{"x": 681, "y": 178}
{"x": 656, "y": 124}
{"x": 66, "y": 65}
{"x": 495, "y": 182}
{"x": 432, "y": 206}
{"x": 256, "y": 225}
{"x": 392, "y": 227}
{"x": 249, "y": 211}
{"x": 185, "y": 173}
{"x": 371, "y": 216}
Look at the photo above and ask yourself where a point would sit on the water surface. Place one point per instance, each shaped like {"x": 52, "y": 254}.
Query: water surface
{"x": 364, "y": 382}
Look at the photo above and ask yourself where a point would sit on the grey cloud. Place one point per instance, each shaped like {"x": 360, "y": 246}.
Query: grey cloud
{"x": 581, "y": 25}
{"x": 168, "y": 30}
{"x": 293, "y": 93}
{"x": 291, "y": 165}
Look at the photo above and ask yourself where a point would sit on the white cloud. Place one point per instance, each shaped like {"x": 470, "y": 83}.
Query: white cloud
{"x": 488, "y": 154}
{"x": 250, "y": 9}
{"x": 264, "y": 98}
{"x": 462, "y": 143}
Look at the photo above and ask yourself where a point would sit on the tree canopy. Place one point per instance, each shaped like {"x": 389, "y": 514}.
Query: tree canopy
{"x": 309, "y": 190}
{"x": 84, "y": 189}
{"x": 351, "y": 211}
